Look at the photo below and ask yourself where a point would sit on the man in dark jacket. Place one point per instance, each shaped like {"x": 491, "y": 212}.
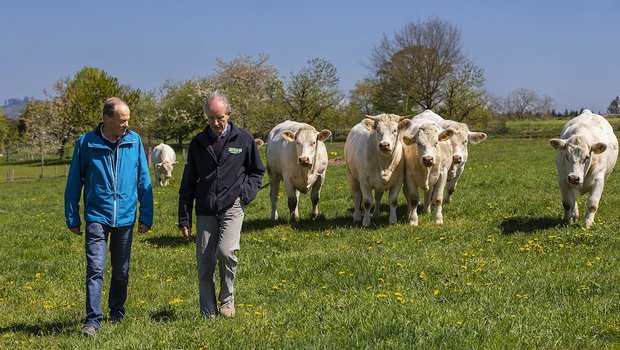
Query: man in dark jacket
{"x": 222, "y": 174}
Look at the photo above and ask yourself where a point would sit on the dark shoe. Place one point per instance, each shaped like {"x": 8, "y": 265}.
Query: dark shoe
{"x": 116, "y": 318}
{"x": 89, "y": 330}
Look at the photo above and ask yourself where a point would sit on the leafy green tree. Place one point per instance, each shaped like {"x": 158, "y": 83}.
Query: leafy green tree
{"x": 312, "y": 94}
{"x": 362, "y": 96}
{"x": 8, "y": 135}
{"x": 253, "y": 90}
{"x": 614, "y": 106}
{"x": 464, "y": 97}
{"x": 80, "y": 99}
{"x": 180, "y": 111}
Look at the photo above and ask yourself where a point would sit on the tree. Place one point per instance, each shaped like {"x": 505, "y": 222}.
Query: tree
{"x": 79, "y": 102}
{"x": 180, "y": 110}
{"x": 414, "y": 66}
{"x": 464, "y": 94}
{"x": 523, "y": 103}
{"x": 313, "y": 92}
{"x": 362, "y": 96}
{"x": 253, "y": 90}
{"x": 8, "y": 135}
{"x": 614, "y": 106}
{"x": 39, "y": 117}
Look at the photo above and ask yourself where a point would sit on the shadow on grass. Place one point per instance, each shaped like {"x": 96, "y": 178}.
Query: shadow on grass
{"x": 163, "y": 314}
{"x": 168, "y": 241}
{"x": 42, "y": 328}
{"x": 528, "y": 224}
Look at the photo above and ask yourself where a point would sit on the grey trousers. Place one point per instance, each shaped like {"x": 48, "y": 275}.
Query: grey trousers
{"x": 217, "y": 238}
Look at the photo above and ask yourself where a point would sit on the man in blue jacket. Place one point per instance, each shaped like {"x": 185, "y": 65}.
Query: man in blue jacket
{"x": 222, "y": 174}
{"x": 110, "y": 164}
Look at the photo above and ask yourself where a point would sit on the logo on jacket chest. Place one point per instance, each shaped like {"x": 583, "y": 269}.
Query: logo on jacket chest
{"x": 235, "y": 150}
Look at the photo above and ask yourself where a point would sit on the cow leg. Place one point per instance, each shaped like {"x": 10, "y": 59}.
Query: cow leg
{"x": 393, "y": 202}
{"x": 569, "y": 202}
{"x": 428, "y": 194}
{"x": 411, "y": 195}
{"x": 293, "y": 199}
{"x": 316, "y": 196}
{"x": 376, "y": 211}
{"x": 438, "y": 199}
{"x": 273, "y": 195}
{"x": 593, "y": 200}
{"x": 157, "y": 180}
{"x": 367, "y": 203}
{"x": 356, "y": 193}
{"x": 452, "y": 183}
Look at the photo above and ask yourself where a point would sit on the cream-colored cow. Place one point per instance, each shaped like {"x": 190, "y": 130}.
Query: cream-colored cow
{"x": 374, "y": 158}
{"x": 587, "y": 153}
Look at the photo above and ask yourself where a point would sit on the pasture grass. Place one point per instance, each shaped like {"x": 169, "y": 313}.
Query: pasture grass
{"x": 503, "y": 272}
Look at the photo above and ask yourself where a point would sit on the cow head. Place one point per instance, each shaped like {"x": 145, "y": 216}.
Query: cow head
{"x": 575, "y": 153}
{"x": 165, "y": 171}
{"x": 460, "y": 139}
{"x": 386, "y": 128}
{"x": 305, "y": 140}
{"x": 427, "y": 138}
{"x": 259, "y": 143}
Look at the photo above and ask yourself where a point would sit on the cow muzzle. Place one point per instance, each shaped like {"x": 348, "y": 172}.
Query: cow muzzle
{"x": 457, "y": 159}
{"x": 574, "y": 179}
{"x": 385, "y": 147}
{"x": 428, "y": 161}
{"x": 305, "y": 161}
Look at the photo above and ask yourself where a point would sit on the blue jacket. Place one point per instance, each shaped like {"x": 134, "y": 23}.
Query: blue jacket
{"x": 214, "y": 184}
{"x": 110, "y": 198}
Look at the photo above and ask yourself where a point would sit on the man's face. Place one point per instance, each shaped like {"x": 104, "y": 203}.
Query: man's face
{"x": 118, "y": 124}
{"x": 217, "y": 116}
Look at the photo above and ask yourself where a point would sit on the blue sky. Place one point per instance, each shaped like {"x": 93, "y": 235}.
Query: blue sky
{"x": 569, "y": 50}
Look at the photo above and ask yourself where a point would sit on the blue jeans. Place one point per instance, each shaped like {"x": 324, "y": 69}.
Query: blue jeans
{"x": 96, "y": 250}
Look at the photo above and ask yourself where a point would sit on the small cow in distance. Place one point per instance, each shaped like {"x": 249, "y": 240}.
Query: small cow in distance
{"x": 259, "y": 143}
{"x": 164, "y": 160}
{"x": 296, "y": 155}
{"x": 587, "y": 153}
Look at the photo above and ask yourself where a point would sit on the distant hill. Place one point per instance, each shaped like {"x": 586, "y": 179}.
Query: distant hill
{"x": 13, "y": 107}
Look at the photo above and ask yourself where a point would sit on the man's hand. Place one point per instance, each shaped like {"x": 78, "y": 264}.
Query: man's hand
{"x": 187, "y": 233}
{"x": 76, "y": 230}
{"x": 142, "y": 228}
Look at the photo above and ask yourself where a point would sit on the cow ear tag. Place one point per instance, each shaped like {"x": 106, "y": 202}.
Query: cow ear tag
{"x": 288, "y": 135}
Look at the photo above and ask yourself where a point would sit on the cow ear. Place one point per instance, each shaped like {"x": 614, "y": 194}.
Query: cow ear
{"x": 408, "y": 140}
{"x": 159, "y": 164}
{"x": 599, "y": 148}
{"x": 476, "y": 137}
{"x": 175, "y": 163}
{"x": 259, "y": 143}
{"x": 324, "y": 135}
{"x": 404, "y": 124}
{"x": 446, "y": 134}
{"x": 288, "y": 135}
{"x": 369, "y": 124}
{"x": 558, "y": 144}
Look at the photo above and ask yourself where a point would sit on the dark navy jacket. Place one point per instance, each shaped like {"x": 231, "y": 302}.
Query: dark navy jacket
{"x": 214, "y": 184}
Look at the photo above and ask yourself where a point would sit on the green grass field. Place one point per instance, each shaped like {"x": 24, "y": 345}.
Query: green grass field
{"x": 503, "y": 272}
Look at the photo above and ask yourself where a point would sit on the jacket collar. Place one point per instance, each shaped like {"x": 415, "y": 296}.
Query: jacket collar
{"x": 203, "y": 137}
{"x": 98, "y": 142}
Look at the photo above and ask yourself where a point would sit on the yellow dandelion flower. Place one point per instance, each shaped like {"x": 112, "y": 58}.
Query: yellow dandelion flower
{"x": 175, "y": 301}
{"x": 381, "y": 296}
{"x": 37, "y": 276}
{"x": 436, "y": 292}
{"x": 422, "y": 275}
{"x": 381, "y": 280}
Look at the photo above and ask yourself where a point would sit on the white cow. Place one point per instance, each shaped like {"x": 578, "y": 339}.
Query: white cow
{"x": 587, "y": 153}
{"x": 428, "y": 157}
{"x": 163, "y": 160}
{"x": 296, "y": 154}
{"x": 374, "y": 159}
{"x": 459, "y": 140}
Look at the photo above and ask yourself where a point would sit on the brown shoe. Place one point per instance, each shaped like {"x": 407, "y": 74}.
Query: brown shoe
{"x": 228, "y": 310}
{"x": 88, "y": 330}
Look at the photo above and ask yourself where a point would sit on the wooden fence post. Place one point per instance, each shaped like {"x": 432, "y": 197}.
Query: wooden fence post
{"x": 10, "y": 175}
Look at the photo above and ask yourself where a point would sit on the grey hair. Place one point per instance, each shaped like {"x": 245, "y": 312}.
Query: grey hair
{"x": 109, "y": 107}
{"x": 217, "y": 95}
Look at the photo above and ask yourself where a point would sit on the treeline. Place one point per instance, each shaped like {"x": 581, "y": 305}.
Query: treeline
{"x": 421, "y": 67}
